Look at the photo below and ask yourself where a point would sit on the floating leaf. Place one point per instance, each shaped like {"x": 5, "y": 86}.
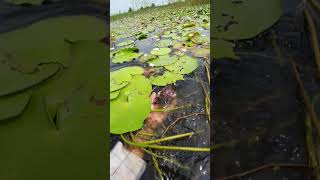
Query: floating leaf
{"x": 125, "y": 55}
{"x": 223, "y": 49}
{"x": 200, "y": 52}
{"x": 129, "y": 110}
{"x": 231, "y": 19}
{"x": 114, "y": 95}
{"x": 14, "y": 81}
{"x": 164, "y": 43}
{"x": 125, "y": 43}
{"x": 161, "y": 51}
{"x": 147, "y": 57}
{"x": 166, "y": 78}
{"x": 125, "y": 74}
{"x": 163, "y": 60}
{"x": 13, "y": 105}
{"x": 184, "y": 65}
{"x": 16, "y": 49}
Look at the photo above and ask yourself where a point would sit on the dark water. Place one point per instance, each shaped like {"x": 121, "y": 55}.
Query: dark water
{"x": 258, "y": 110}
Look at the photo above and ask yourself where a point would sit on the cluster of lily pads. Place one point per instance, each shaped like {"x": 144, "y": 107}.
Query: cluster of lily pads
{"x": 51, "y": 97}
{"x": 165, "y": 46}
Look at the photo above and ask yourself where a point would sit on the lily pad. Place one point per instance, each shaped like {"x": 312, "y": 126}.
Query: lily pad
{"x": 161, "y": 51}
{"x": 245, "y": 20}
{"x": 114, "y": 95}
{"x": 125, "y": 43}
{"x": 16, "y": 49}
{"x": 125, "y": 74}
{"x": 147, "y": 57}
{"x": 163, "y": 60}
{"x": 223, "y": 49}
{"x": 14, "y": 81}
{"x": 129, "y": 110}
{"x": 125, "y": 55}
{"x": 166, "y": 78}
{"x": 184, "y": 65}
{"x": 164, "y": 43}
{"x": 13, "y": 105}
{"x": 200, "y": 52}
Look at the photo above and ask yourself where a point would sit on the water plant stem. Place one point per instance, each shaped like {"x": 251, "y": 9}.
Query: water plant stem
{"x": 314, "y": 38}
{"x": 156, "y": 165}
{"x": 168, "y": 138}
{"x": 309, "y": 107}
{"x": 172, "y": 148}
{"x": 178, "y": 119}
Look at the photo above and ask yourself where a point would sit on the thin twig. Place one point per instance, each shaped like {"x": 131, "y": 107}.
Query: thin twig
{"x": 314, "y": 38}
{"x": 309, "y": 107}
{"x": 267, "y": 166}
{"x": 178, "y": 119}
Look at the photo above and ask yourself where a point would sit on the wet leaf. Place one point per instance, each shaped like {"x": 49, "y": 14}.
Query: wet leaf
{"x": 16, "y": 49}
{"x": 223, "y": 49}
{"x": 125, "y": 55}
{"x": 160, "y": 51}
{"x": 14, "y": 81}
{"x": 114, "y": 95}
{"x": 13, "y": 105}
{"x": 244, "y": 20}
{"x": 129, "y": 110}
{"x": 166, "y": 78}
{"x": 125, "y": 43}
{"x": 164, "y": 43}
{"x": 184, "y": 65}
{"x": 163, "y": 60}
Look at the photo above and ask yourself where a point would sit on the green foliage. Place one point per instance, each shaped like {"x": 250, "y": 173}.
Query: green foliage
{"x": 125, "y": 55}
{"x": 129, "y": 110}
{"x": 163, "y": 60}
{"x": 54, "y": 117}
{"x": 160, "y": 51}
{"x": 166, "y": 78}
{"x": 184, "y": 65}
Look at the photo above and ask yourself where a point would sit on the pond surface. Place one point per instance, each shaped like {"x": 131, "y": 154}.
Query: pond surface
{"x": 175, "y": 29}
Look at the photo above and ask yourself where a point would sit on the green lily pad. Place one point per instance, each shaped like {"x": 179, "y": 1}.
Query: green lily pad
{"x": 161, "y": 51}
{"x": 166, "y": 78}
{"x": 147, "y": 57}
{"x": 184, "y": 65}
{"x": 13, "y": 105}
{"x": 20, "y": 81}
{"x": 125, "y": 43}
{"x": 125, "y": 74}
{"x": 114, "y": 95}
{"x": 114, "y": 85}
{"x": 64, "y": 123}
{"x": 163, "y": 60}
{"x": 200, "y": 52}
{"x": 125, "y": 55}
{"x": 129, "y": 110}
{"x": 231, "y": 19}
{"x": 16, "y": 49}
{"x": 223, "y": 49}
{"x": 164, "y": 43}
